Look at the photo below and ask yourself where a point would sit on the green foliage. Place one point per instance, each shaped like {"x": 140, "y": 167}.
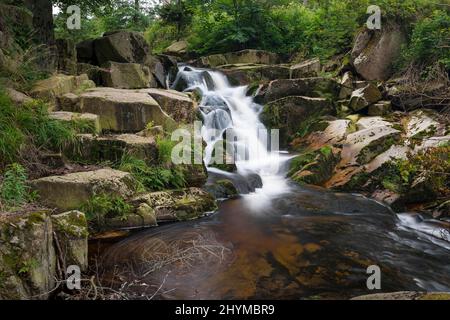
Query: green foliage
{"x": 104, "y": 206}
{"x": 153, "y": 178}
{"x": 29, "y": 124}
{"x": 13, "y": 189}
{"x": 430, "y": 41}
{"x": 165, "y": 147}
{"x": 160, "y": 36}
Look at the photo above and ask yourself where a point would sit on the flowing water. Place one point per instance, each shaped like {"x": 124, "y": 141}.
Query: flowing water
{"x": 282, "y": 241}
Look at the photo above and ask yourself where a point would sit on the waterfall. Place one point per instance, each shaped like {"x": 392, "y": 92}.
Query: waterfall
{"x": 226, "y": 109}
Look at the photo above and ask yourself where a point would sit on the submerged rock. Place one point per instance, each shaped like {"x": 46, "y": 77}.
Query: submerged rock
{"x": 222, "y": 189}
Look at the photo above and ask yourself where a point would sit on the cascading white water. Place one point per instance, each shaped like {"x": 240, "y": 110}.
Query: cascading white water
{"x": 225, "y": 107}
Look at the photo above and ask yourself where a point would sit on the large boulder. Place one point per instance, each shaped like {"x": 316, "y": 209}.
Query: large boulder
{"x": 170, "y": 65}
{"x": 121, "y": 46}
{"x": 123, "y": 110}
{"x": 27, "y": 256}
{"x": 288, "y": 114}
{"x": 364, "y": 97}
{"x": 178, "y": 105}
{"x": 73, "y": 190}
{"x": 309, "y": 68}
{"x": 85, "y": 52}
{"x": 178, "y": 48}
{"x": 71, "y": 234}
{"x": 178, "y": 205}
{"x": 375, "y": 51}
{"x": 311, "y": 87}
{"x": 58, "y": 85}
{"x": 17, "y": 97}
{"x": 127, "y": 76}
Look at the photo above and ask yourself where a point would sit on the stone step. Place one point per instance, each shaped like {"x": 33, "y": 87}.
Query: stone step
{"x": 84, "y": 122}
{"x": 73, "y": 190}
{"x": 112, "y": 148}
{"x": 120, "y": 110}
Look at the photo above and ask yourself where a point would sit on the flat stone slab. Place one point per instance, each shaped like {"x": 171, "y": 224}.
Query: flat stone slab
{"x": 335, "y": 134}
{"x": 71, "y": 191}
{"x": 177, "y": 104}
{"x": 87, "y": 122}
{"x": 114, "y": 147}
{"x": 124, "y": 111}
{"x": 363, "y": 146}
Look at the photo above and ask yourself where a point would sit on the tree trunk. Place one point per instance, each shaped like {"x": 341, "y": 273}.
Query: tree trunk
{"x": 43, "y": 29}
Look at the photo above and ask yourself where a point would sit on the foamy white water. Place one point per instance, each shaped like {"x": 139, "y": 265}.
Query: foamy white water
{"x": 225, "y": 107}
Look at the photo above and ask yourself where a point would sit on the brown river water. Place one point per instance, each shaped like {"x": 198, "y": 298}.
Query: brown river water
{"x": 305, "y": 244}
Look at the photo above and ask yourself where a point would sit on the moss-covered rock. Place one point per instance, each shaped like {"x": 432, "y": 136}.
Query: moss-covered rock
{"x": 222, "y": 189}
{"x": 308, "y": 68}
{"x": 97, "y": 149}
{"x": 71, "y": 229}
{"x": 124, "y": 111}
{"x": 58, "y": 85}
{"x": 312, "y": 87}
{"x": 27, "y": 256}
{"x": 291, "y": 113}
{"x": 314, "y": 167}
{"x": 245, "y": 74}
{"x": 364, "y": 97}
{"x": 178, "y": 205}
{"x": 126, "y": 76}
{"x": 71, "y": 191}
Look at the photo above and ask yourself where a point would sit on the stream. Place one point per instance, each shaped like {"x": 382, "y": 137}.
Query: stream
{"x": 282, "y": 241}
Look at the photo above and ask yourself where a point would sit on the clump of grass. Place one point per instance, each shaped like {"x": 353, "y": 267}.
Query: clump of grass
{"x": 165, "y": 147}
{"x": 14, "y": 191}
{"x": 103, "y": 206}
{"x": 152, "y": 178}
{"x": 29, "y": 124}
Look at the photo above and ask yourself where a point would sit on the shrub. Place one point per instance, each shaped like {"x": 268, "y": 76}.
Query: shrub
{"x": 429, "y": 41}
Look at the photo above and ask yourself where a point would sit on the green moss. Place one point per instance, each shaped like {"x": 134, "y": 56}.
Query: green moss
{"x": 376, "y": 148}
{"x": 314, "y": 167}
